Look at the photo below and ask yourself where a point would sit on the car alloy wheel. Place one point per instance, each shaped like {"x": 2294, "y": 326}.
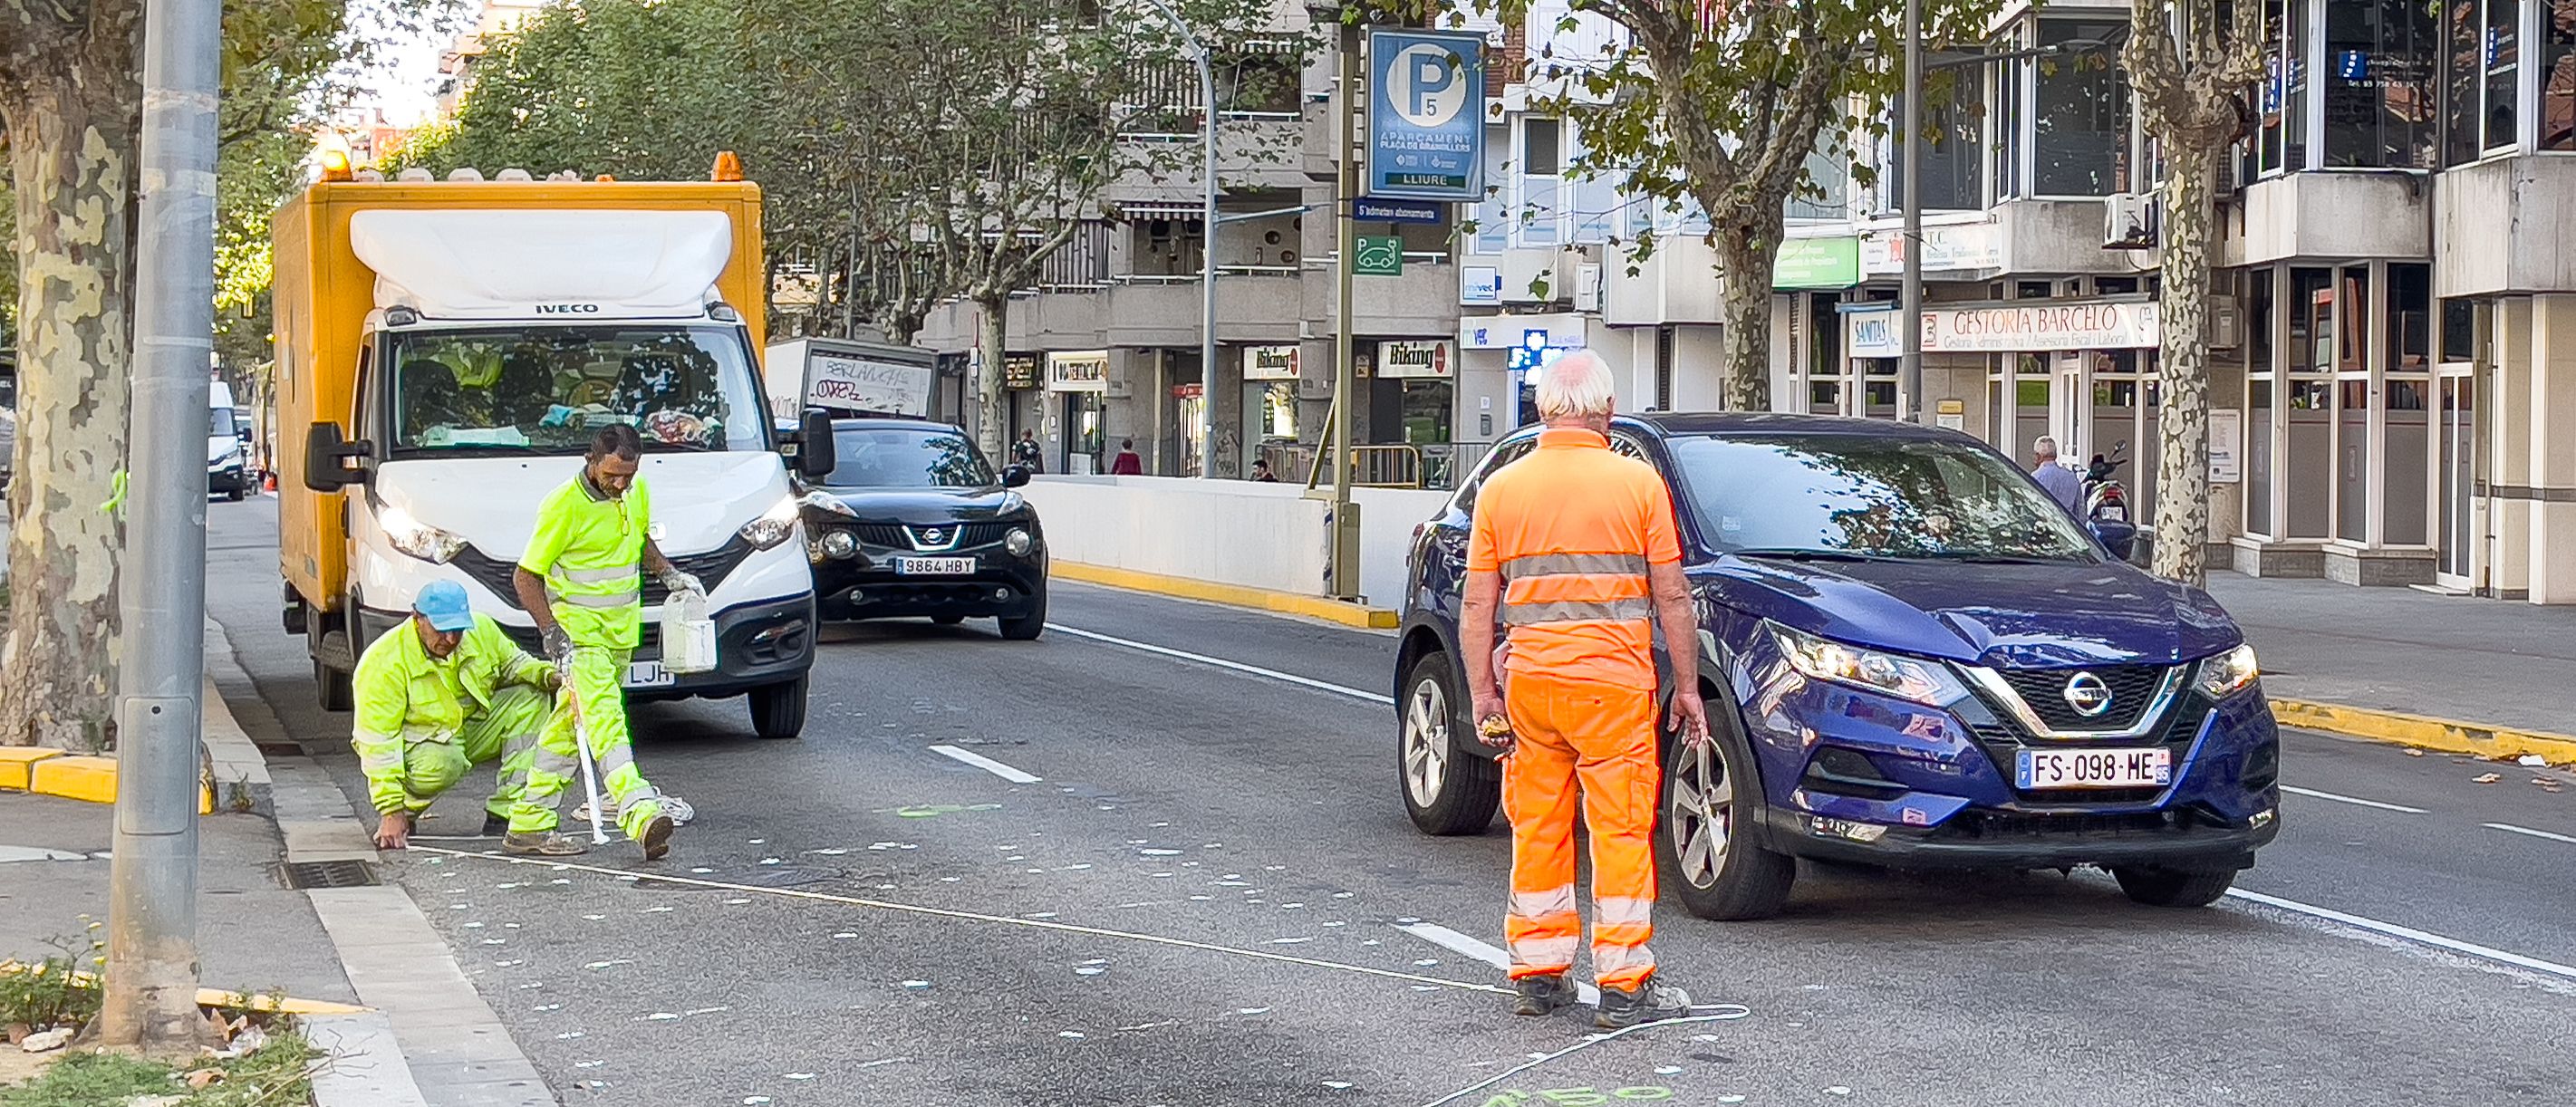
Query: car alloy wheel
{"x": 1700, "y": 813}
{"x": 1426, "y": 742}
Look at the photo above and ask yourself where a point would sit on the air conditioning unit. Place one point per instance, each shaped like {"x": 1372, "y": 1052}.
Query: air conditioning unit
{"x": 2128, "y": 221}
{"x": 2226, "y": 323}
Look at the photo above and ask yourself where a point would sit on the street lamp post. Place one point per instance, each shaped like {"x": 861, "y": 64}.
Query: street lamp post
{"x": 1207, "y": 239}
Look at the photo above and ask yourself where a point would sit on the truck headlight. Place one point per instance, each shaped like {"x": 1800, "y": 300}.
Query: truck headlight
{"x": 2224, "y": 675}
{"x": 773, "y": 527}
{"x": 1019, "y": 542}
{"x": 1907, "y": 678}
{"x": 417, "y": 538}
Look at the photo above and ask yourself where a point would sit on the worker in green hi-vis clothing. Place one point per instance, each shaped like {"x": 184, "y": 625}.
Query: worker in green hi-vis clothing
{"x": 582, "y": 580}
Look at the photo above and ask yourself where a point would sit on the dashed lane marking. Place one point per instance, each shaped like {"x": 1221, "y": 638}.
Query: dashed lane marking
{"x": 987, "y": 764}
{"x": 2408, "y": 933}
{"x": 2314, "y": 794}
{"x": 558, "y": 864}
{"x": 1233, "y": 666}
{"x": 1481, "y": 950}
{"x": 2509, "y": 828}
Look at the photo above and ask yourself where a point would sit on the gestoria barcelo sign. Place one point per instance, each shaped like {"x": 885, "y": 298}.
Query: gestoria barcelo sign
{"x": 2095, "y": 325}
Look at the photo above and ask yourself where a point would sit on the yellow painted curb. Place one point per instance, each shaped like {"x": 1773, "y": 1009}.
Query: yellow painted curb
{"x": 17, "y": 765}
{"x": 1234, "y": 595}
{"x": 2425, "y": 731}
{"x": 216, "y": 997}
{"x": 76, "y": 777}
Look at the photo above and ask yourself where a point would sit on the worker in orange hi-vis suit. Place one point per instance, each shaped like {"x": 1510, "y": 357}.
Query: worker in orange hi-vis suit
{"x": 1574, "y": 550}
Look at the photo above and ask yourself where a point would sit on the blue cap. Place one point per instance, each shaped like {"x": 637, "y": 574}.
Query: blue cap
{"x": 443, "y": 603}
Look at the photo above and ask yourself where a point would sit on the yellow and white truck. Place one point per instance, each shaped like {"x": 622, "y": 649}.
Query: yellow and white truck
{"x": 447, "y": 349}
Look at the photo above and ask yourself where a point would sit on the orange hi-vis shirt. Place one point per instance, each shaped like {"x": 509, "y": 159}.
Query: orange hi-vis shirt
{"x": 1572, "y": 528}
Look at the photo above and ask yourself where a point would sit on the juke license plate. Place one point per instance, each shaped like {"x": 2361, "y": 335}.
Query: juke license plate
{"x": 933, "y": 566}
{"x": 647, "y": 674}
{"x": 2045, "y": 769}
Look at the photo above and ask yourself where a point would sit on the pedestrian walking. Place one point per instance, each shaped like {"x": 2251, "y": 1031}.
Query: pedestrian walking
{"x": 1128, "y": 463}
{"x": 443, "y": 692}
{"x": 1261, "y": 471}
{"x": 582, "y": 580}
{"x": 2062, "y": 484}
{"x": 1026, "y": 452}
{"x": 1573, "y": 549}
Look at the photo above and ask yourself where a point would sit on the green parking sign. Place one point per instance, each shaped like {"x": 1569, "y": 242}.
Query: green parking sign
{"x": 1378, "y": 256}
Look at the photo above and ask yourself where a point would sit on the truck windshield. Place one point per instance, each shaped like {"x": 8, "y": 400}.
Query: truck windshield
{"x": 549, "y": 389}
{"x": 907, "y": 457}
{"x": 222, "y": 426}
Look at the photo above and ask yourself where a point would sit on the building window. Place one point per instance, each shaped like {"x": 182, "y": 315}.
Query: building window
{"x": 1494, "y": 215}
{"x": 2379, "y": 86}
{"x": 2460, "y": 84}
{"x": 2008, "y": 144}
{"x": 2286, "y": 84}
{"x": 2503, "y": 66}
{"x": 1536, "y": 219}
{"x": 1826, "y": 193}
{"x": 2459, "y": 330}
{"x": 1954, "y": 107}
{"x": 2080, "y": 121}
{"x": 2558, "y": 76}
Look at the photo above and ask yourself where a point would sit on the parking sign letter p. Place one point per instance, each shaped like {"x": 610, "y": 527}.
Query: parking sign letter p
{"x": 1431, "y": 77}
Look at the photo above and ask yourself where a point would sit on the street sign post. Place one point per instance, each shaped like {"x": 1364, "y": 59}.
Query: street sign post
{"x": 1426, "y": 125}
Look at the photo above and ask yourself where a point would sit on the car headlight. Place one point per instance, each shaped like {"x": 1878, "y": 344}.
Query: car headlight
{"x": 2224, "y": 675}
{"x": 773, "y": 527}
{"x": 1019, "y": 542}
{"x": 417, "y": 538}
{"x": 840, "y": 544}
{"x": 1924, "y": 682}
{"x": 828, "y": 504}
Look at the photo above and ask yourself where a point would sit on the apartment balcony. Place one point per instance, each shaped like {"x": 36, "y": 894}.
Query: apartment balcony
{"x": 2501, "y": 227}
{"x": 2329, "y": 215}
{"x": 1678, "y": 283}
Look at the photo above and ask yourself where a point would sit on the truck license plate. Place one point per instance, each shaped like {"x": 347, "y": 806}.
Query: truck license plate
{"x": 647, "y": 674}
{"x": 2042, "y": 769}
{"x": 933, "y": 566}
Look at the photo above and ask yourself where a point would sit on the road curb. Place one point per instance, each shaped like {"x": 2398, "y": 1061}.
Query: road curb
{"x": 2425, "y": 732}
{"x": 71, "y": 776}
{"x": 1232, "y": 595}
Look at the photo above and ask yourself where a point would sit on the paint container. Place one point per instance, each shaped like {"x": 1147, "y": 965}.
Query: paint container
{"x": 688, "y": 634}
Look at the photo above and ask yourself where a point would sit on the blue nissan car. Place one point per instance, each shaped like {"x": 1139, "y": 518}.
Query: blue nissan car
{"x": 1912, "y": 657}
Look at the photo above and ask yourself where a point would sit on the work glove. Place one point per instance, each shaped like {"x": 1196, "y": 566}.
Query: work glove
{"x": 558, "y": 647}
{"x": 678, "y": 582}
{"x": 553, "y": 680}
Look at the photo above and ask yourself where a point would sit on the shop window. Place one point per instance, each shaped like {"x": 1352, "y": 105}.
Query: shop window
{"x": 2558, "y": 75}
{"x": 2080, "y": 121}
{"x": 2460, "y": 83}
{"x": 2379, "y": 84}
{"x": 2352, "y": 461}
{"x": 2311, "y": 320}
{"x": 1424, "y": 411}
{"x": 1278, "y": 400}
{"x": 2285, "y": 86}
{"x": 2259, "y": 308}
{"x": 2258, "y": 457}
{"x": 2503, "y": 69}
{"x": 2406, "y": 463}
{"x": 2459, "y": 330}
{"x": 2410, "y": 317}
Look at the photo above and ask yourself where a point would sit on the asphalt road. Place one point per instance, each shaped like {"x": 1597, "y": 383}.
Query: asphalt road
{"x": 1209, "y": 895}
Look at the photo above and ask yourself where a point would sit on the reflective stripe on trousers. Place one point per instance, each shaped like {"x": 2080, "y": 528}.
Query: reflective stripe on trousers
{"x": 594, "y": 699}
{"x": 1590, "y": 746}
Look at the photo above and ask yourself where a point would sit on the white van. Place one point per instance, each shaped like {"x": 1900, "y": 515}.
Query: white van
{"x": 227, "y": 447}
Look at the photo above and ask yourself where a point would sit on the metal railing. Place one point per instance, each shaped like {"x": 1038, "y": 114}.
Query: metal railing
{"x": 1375, "y": 467}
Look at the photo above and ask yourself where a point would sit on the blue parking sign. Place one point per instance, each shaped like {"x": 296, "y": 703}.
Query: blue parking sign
{"x": 1426, "y": 117}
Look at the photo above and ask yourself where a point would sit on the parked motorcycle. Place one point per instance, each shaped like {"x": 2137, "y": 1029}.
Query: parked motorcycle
{"x": 2104, "y": 496}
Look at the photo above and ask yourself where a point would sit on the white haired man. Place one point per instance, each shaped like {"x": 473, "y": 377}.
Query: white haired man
{"x": 1573, "y": 549}
{"x": 2062, "y": 484}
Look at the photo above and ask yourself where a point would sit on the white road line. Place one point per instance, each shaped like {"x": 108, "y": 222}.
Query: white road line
{"x": 2512, "y": 829}
{"x": 2408, "y": 933}
{"x": 2314, "y": 794}
{"x": 1235, "y": 666}
{"x": 987, "y": 764}
{"x": 1481, "y": 950}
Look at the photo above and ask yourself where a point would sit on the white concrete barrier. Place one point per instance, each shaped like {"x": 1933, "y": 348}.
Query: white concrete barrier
{"x": 1228, "y": 531}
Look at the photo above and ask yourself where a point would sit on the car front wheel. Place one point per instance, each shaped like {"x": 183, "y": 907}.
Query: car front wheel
{"x": 1719, "y": 873}
{"x": 2159, "y": 887}
{"x": 1447, "y": 790}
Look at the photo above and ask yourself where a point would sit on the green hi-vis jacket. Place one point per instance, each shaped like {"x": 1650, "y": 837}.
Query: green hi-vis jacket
{"x": 590, "y": 549}
{"x": 405, "y": 697}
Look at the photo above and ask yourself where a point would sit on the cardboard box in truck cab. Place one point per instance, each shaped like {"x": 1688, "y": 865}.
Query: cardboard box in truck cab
{"x": 446, "y": 351}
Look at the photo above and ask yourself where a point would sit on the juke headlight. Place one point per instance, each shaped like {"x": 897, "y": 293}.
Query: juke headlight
{"x": 774, "y": 526}
{"x": 417, "y": 538}
{"x": 1019, "y": 542}
{"x": 2224, "y": 675}
{"x": 1925, "y": 682}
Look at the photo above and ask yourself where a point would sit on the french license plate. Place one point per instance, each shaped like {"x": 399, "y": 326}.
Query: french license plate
{"x": 933, "y": 566}
{"x": 2041, "y": 769}
{"x": 647, "y": 674}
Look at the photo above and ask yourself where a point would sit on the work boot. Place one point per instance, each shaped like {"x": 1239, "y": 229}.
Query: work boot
{"x": 1653, "y": 1001}
{"x": 1538, "y": 995}
{"x": 656, "y": 836}
{"x": 541, "y": 843}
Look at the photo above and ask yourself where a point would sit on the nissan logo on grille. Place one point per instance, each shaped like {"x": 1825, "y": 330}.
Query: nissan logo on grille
{"x": 932, "y": 536}
{"x": 2088, "y": 695}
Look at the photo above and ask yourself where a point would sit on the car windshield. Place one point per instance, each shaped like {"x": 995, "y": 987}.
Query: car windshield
{"x": 222, "y": 425}
{"x": 1870, "y": 496}
{"x": 549, "y": 389}
{"x": 907, "y": 457}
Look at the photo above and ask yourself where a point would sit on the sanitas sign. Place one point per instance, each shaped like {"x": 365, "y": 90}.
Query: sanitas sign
{"x": 1434, "y": 358}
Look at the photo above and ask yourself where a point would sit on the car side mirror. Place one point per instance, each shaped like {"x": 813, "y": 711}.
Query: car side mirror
{"x": 2120, "y": 538}
{"x": 332, "y": 462}
{"x": 816, "y": 454}
{"x": 1013, "y": 476}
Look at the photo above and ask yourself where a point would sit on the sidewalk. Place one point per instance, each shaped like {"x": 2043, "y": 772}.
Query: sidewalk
{"x": 2491, "y": 662}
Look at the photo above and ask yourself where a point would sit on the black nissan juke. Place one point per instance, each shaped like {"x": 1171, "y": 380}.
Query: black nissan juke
{"x": 913, "y": 521}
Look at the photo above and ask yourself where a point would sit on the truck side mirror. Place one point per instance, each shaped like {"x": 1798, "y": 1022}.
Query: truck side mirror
{"x": 816, "y": 454}
{"x": 327, "y": 458}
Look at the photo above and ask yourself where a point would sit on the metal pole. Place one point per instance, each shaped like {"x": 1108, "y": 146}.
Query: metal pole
{"x": 1345, "y": 552}
{"x": 151, "y": 1000}
{"x": 1207, "y": 242}
{"x": 1909, "y": 367}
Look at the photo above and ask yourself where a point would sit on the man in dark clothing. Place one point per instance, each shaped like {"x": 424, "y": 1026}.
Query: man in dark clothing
{"x": 1025, "y": 452}
{"x": 1128, "y": 463}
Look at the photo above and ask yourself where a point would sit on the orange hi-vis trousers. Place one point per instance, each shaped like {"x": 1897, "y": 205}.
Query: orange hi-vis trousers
{"x": 1602, "y": 736}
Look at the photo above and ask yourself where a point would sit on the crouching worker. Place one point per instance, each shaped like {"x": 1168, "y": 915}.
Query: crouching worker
{"x": 441, "y": 693}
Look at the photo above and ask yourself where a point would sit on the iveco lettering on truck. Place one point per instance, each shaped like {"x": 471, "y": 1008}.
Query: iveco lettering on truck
{"x": 446, "y": 351}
